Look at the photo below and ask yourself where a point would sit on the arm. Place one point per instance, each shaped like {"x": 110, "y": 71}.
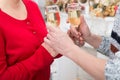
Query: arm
{"x": 50, "y": 50}
{"x": 26, "y": 68}
{"x": 83, "y": 32}
{"x": 100, "y": 43}
{"x": 100, "y": 69}
{"x": 92, "y": 65}
{"x": 63, "y": 44}
{"x": 94, "y": 40}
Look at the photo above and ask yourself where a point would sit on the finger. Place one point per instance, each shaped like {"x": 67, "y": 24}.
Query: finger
{"x": 74, "y": 32}
{"x": 71, "y": 36}
{"x": 51, "y": 35}
{"x": 81, "y": 43}
{"x": 51, "y": 29}
{"x": 80, "y": 34}
{"x": 68, "y": 32}
{"x": 81, "y": 38}
{"x": 47, "y": 41}
{"x": 82, "y": 19}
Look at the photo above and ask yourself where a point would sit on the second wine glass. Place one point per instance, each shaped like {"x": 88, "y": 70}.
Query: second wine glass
{"x": 53, "y": 16}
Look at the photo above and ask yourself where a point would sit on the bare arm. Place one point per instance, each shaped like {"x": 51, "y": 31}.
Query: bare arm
{"x": 64, "y": 45}
{"x": 92, "y": 65}
{"x": 94, "y": 40}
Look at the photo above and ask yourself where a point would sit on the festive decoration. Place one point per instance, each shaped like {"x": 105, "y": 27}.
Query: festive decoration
{"x": 103, "y": 8}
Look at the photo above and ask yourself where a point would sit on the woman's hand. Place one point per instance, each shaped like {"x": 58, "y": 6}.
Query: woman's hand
{"x": 52, "y": 52}
{"x": 58, "y": 40}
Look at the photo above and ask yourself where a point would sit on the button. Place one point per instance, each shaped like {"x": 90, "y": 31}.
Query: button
{"x": 34, "y": 32}
{"x": 28, "y": 22}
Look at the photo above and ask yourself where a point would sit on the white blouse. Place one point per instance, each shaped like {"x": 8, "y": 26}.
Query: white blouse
{"x": 112, "y": 68}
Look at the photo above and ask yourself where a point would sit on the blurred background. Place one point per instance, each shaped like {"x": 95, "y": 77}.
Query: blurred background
{"x": 99, "y": 15}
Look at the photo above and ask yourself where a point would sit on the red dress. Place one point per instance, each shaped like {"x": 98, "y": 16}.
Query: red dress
{"x": 21, "y": 55}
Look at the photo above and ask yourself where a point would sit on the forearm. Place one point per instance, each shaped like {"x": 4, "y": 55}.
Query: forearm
{"x": 39, "y": 60}
{"x": 92, "y": 65}
{"x": 94, "y": 40}
{"x": 15, "y": 72}
{"x": 24, "y": 69}
{"x": 50, "y": 50}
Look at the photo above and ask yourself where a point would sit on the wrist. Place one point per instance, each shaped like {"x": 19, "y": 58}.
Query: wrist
{"x": 89, "y": 37}
{"x": 94, "y": 40}
{"x": 73, "y": 52}
{"x": 50, "y": 50}
{"x": 70, "y": 51}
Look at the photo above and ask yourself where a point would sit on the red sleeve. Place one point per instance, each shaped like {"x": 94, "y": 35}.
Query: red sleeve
{"x": 23, "y": 69}
{"x": 58, "y": 56}
{"x": 41, "y": 20}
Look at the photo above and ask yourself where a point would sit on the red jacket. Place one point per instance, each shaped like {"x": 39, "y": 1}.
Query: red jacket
{"x": 21, "y": 55}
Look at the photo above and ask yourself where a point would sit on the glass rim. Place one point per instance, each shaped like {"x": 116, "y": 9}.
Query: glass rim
{"x": 74, "y": 6}
{"x": 52, "y": 8}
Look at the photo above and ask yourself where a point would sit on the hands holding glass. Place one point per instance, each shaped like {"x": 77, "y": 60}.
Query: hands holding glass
{"x": 74, "y": 14}
{"x": 62, "y": 43}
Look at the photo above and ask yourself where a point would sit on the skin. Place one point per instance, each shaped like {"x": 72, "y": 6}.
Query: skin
{"x": 83, "y": 34}
{"x": 17, "y": 9}
{"x": 62, "y": 43}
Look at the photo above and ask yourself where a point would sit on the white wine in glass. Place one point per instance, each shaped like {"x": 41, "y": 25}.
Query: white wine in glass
{"x": 74, "y": 13}
{"x": 53, "y": 16}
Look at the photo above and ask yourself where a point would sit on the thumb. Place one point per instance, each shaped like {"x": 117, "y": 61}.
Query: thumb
{"x": 82, "y": 19}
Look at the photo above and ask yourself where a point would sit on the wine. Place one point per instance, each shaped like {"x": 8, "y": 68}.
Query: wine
{"x": 74, "y": 13}
{"x": 74, "y": 17}
{"x": 53, "y": 19}
{"x": 53, "y": 16}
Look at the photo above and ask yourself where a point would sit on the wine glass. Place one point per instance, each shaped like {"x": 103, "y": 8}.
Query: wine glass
{"x": 74, "y": 12}
{"x": 53, "y": 15}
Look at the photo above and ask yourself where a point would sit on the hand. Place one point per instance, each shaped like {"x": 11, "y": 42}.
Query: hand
{"x": 84, "y": 29}
{"x": 76, "y": 36}
{"x": 58, "y": 40}
{"x": 52, "y": 52}
{"x": 81, "y": 33}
